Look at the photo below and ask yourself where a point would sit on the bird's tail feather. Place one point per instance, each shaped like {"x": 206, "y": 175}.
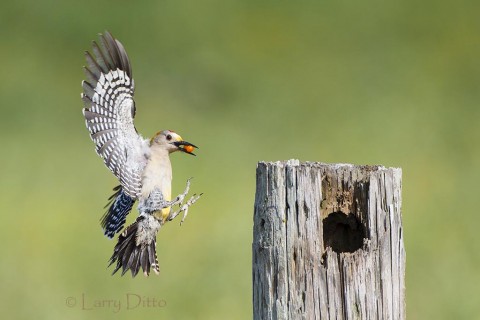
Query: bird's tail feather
{"x": 119, "y": 206}
{"x": 133, "y": 251}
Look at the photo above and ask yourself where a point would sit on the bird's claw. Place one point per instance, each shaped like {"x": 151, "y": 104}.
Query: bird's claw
{"x": 183, "y": 207}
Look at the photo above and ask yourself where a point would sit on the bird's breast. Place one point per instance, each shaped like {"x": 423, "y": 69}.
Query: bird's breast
{"x": 158, "y": 174}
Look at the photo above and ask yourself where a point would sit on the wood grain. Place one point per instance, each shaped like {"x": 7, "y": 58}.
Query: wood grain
{"x": 328, "y": 242}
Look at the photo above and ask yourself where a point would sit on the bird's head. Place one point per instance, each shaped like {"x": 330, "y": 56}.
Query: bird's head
{"x": 172, "y": 142}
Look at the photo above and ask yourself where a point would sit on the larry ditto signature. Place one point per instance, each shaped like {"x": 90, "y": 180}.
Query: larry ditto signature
{"x": 129, "y": 301}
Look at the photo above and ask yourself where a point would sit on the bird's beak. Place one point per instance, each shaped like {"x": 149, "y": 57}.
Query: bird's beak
{"x": 182, "y": 144}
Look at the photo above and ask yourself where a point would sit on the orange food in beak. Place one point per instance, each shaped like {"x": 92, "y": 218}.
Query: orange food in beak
{"x": 189, "y": 149}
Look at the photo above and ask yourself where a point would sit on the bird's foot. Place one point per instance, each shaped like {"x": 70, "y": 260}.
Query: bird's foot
{"x": 183, "y": 207}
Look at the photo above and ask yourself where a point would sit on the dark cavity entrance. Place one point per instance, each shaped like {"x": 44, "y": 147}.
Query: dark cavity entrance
{"x": 343, "y": 233}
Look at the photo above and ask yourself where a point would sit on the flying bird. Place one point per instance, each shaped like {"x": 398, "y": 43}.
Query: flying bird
{"x": 142, "y": 166}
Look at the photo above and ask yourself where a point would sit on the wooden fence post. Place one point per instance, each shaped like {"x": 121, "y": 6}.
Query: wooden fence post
{"x": 328, "y": 242}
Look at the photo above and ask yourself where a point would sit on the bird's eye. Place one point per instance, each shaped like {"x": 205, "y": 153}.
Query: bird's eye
{"x": 169, "y": 137}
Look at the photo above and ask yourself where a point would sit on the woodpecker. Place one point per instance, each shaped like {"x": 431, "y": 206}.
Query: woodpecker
{"x": 142, "y": 166}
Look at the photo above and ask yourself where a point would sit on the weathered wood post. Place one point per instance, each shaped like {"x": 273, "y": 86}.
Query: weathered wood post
{"x": 328, "y": 242}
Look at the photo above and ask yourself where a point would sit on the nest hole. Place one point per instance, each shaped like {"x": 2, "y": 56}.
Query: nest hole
{"x": 343, "y": 233}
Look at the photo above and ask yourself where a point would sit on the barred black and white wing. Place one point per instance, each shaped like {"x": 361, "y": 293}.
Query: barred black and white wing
{"x": 109, "y": 112}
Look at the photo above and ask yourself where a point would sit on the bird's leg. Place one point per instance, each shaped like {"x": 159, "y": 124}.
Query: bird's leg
{"x": 156, "y": 202}
{"x": 179, "y": 199}
{"x": 182, "y": 207}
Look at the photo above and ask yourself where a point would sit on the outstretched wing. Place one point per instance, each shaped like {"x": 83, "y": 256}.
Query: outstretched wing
{"x": 109, "y": 112}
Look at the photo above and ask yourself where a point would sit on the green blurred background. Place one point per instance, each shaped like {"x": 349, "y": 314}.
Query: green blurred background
{"x": 364, "y": 82}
